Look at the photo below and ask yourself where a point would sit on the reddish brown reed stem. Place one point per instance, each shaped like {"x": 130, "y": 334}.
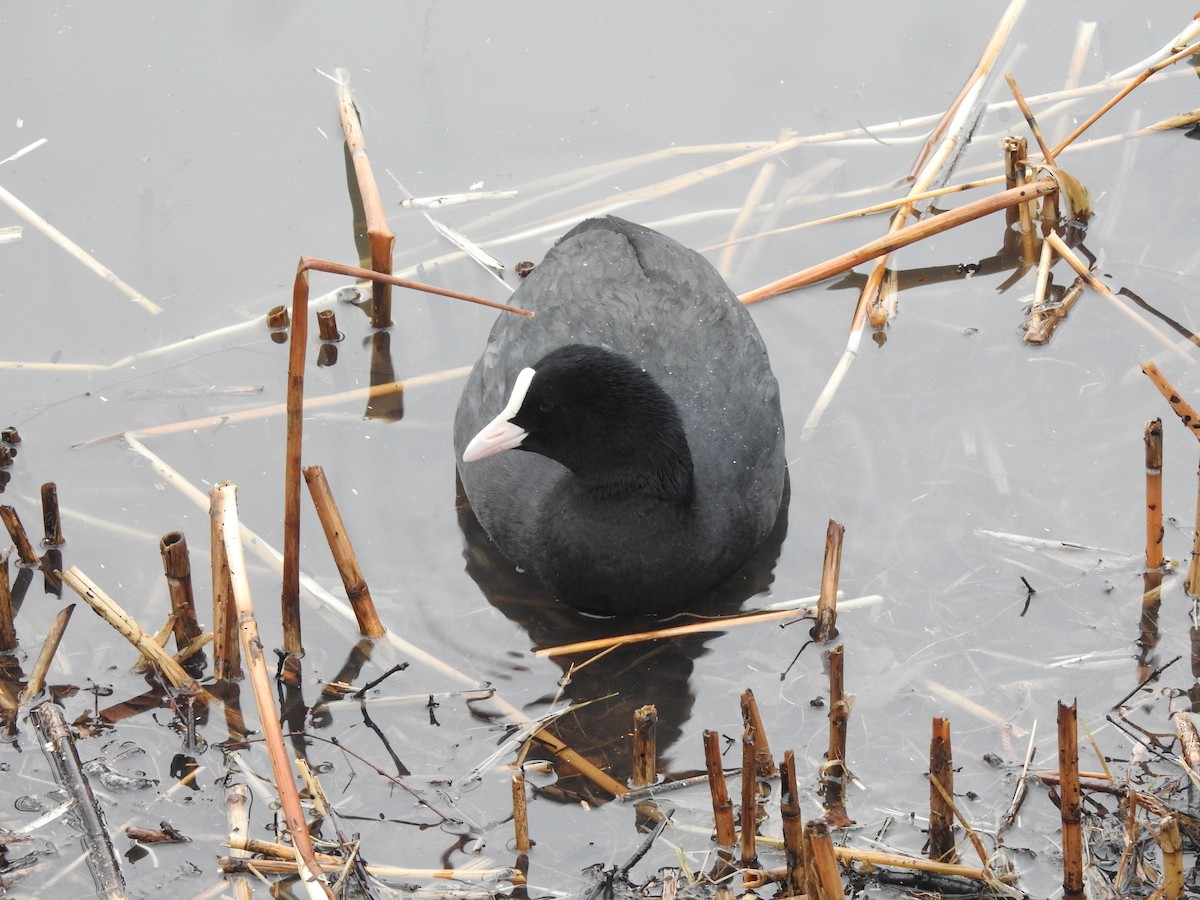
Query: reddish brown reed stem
{"x": 343, "y": 553}
{"x": 1069, "y": 801}
{"x": 1153, "y": 438}
{"x": 51, "y": 520}
{"x": 645, "y": 752}
{"x": 327, "y": 326}
{"x": 379, "y": 236}
{"x": 722, "y": 805}
{"x": 177, "y": 567}
{"x": 1183, "y": 409}
{"x": 835, "y": 774}
{"x": 824, "y": 877}
{"x": 8, "y": 630}
{"x": 764, "y": 763}
{"x": 1192, "y": 583}
{"x": 16, "y": 531}
{"x": 749, "y": 808}
{"x": 793, "y": 824}
{"x": 278, "y": 317}
{"x": 941, "y": 815}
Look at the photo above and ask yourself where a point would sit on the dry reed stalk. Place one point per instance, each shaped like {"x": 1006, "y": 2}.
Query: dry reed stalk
{"x": 327, "y": 325}
{"x": 8, "y": 630}
{"x": 51, "y": 520}
{"x": 16, "y": 531}
{"x": 111, "y": 612}
{"x": 343, "y": 553}
{"x": 177, "y": 567}
{"x": 1189, "y": 739}
{"x": 1069, "y": 803}
{"x": 260, "y": 679}
{"x": 160, "y": 637}
{"x": 1103, "y": 290}
{"x": 753, "y": 198}
{"x": 823, "y": 876}
{"x": 1016, "y": 149}
{"x": 941, "y": 816}
{"x": 825, "y": 628}
{"x": 75, "y": 250}
{"x": 1122, "y": 94}
{"x": 645, "y": 752}
{"x": 722, "y": 805}
{"x": 37, "y": 678}
{"x": 520, "y": 813}
{"x": 1047, "y": 153}
{"x": 335, "y": 864}
{"x": 1044, "y": 321}
{"x": 1192, "y": 583}
{"x": 100, "y": 854}
{"x": 227, "y": 659}
{"x": 902, "y": 238}
{"x": 793, "y": 824}
{"x": 379, "y": 236}
{"x": 764, "y": 763}
{"x": 1169, "y": 842}
{"x": 748, "y": 811}
{"x": 1183, "y": 409}
{"x": 261, "y": 412}
{"x": 718, "y": 624}
{"x": 1153, "y": 437}
{"x": 290, "y": 590}
{"x": 834, "y": 774}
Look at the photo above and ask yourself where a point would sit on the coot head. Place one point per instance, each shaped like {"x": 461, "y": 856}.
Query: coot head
{"x": 601, "y": 416}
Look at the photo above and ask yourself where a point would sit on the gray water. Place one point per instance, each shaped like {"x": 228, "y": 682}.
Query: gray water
{"x": 196, "y": 152}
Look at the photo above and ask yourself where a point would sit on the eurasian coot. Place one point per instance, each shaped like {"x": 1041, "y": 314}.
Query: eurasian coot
{"x": 642, "y": 418}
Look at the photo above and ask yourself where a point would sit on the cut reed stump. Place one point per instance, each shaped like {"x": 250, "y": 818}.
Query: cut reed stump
{"x": 941, "y": 814}
{"x": 16, "y": 531}
{"x": 834, "y": 774}
{"x": 748, "y": 817}
{"x": 1069, "y": 801}
{"x": 227, "y": 660}
{"x": 645, "y": 751}
{"x": 343, "y": 553}
{"x": 59, "y": 747}
{"x": 8, "y": 630}
{"x": 825, "y": 628}
{"x": 764, "y": 763}
{"x": 177, "y": 567}
{"x": 1153, "y": 438}
{"x": 793, "y": 825}
{"x": 520, "y": 813}
{"x": 824, "y": 877}
{"x": 51, "y": 520}
{"x": 722, "y": 805}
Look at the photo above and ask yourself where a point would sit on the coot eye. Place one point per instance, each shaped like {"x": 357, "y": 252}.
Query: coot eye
{"x": 545, "y": 406}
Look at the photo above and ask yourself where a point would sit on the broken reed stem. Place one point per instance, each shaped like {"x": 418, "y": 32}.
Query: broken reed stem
{"x": 1122, "y": 94}
{"x": 1153, "y": 438}
{"x": 177, "y": 567}
{"x": 285, "y": 864}
{"x": 227, "y": 659}
{"x": 825, "y": 628}
{"x": 764, "y": 763}
{"x": 237, "y": 810}
{"x": 824, "y": 877}
{"x": 748, "y": 817}
{"x": 260, "y": 679}
{"x": 1069, "y": 801}
{"x": 793, "y": 824}
{"x": 722, "y": 805}
{"x": 51, "y": 520}
{"x": 834, "y": 773}
{"x": 1189, "y": 739}
{"x": 343, "y": 553}
{"x": 327, "y": 328}
{"x": 160, "y": 637}
{"x": 8, "y": 629}
{"x": 645, "y": 751}
{"x": 298, "y": 341}
{"x": 1016, "y": 149}
{"x": 379, "y": 236}
{"x": 37, "y": 678}
{"x": 1169, "y": 842}
{"x": 16, "y": 531}
{"x": 1183, "y": 409}
{"x": 129, "y": 629}
{"x": 968, "y": 212}
{"x": 1047, "y": 153}
{"x": 520, "y": 812}
{"x": 941, "y": 815}
{"x": 1103, "y": 290}
{"x": 59, "y": 746}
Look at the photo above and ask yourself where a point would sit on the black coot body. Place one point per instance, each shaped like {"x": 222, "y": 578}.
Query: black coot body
{"x": 646, "y": 462}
